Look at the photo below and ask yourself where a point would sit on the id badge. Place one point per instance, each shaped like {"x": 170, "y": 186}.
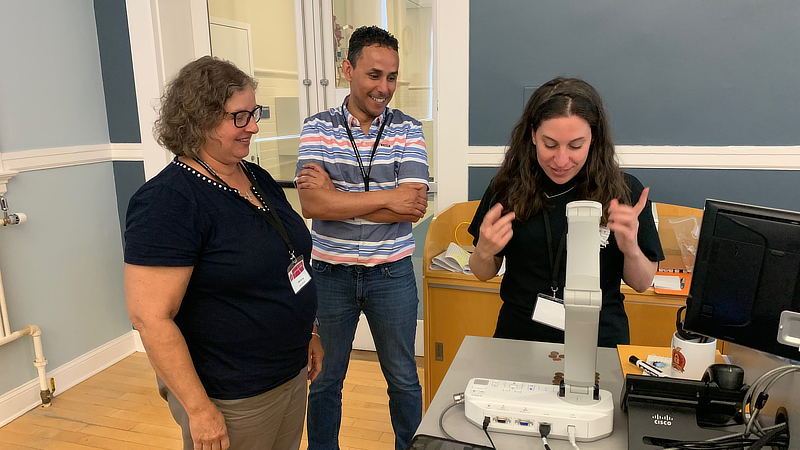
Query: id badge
{"x": 298, "y": 275}
{"x": 549, "y": 311}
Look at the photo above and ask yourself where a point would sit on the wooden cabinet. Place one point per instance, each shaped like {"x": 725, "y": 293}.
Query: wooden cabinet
{"x": 457, "y": 305}
{"x": 651, "y": 316}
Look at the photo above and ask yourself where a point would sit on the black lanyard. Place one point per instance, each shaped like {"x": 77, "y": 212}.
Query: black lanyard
{"x": 273, "y": 219}
{"x": 555, "y": 263}
{"x": 364, "y": 174}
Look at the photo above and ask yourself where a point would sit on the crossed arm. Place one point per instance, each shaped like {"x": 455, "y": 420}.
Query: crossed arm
{"x": 321, "y": 200}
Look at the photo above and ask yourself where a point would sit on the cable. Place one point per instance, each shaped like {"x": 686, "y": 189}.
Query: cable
{"x": 767, "y": 437}
{"x": 441, "y": 421}
{"x": 571, "y": 431}
{"x": 544, "y": 431}
{"x": 457, "y": 400}
{"x": 732, "y": 441}
{"x": 753, "y": 404}
{"x": 486, "y": 421}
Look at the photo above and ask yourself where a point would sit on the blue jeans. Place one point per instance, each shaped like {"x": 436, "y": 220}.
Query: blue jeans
{"x": 387, "y": 294}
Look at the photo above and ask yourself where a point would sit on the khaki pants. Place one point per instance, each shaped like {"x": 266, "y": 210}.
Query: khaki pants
{"x": 273, "y": 420}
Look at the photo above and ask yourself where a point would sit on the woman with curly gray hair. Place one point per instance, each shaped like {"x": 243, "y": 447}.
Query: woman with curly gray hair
{"x": 216, "y": 276}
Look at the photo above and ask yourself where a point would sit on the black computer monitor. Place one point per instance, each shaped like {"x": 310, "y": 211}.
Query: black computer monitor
{"x": 745, "y": 274}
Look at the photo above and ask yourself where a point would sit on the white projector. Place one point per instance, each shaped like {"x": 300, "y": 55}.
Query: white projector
{"x": 519, "y": 407}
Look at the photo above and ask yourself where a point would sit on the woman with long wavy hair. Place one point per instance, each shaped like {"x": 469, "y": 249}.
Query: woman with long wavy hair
{"x": 561, "y": 151}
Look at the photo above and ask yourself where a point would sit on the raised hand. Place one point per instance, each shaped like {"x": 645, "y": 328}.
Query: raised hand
{"x": 495, "y": 232}
{"x": 623, "y": 220}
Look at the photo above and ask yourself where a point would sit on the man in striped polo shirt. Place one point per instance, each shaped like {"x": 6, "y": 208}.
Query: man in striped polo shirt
{"x": 362, "y": 175}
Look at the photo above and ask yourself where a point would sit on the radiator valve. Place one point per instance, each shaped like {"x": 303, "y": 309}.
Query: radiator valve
{"x": 10, "y": 219}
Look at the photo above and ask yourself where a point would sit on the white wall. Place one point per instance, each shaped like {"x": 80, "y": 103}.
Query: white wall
{"x": 451, "y": 119}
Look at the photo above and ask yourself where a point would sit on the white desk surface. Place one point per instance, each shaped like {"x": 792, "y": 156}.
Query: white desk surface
{"x": 517, "y": 361}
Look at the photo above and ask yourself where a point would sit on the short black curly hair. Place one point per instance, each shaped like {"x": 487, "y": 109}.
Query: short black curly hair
{"x": 366, "y": 36}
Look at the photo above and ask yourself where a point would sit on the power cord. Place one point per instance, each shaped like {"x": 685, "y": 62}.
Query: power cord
{"x": 486, "y": 421}
{"x": 544, "y": 431}
{"x": 571, "y": 432}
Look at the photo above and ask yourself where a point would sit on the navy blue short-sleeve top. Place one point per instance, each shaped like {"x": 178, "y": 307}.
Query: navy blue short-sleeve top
{"x": 246, "y": 330}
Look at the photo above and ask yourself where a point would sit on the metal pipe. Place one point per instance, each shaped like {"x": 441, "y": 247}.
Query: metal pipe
{"x": 39, "y": 362}
{"x": 4, "y": 310}
{"x": 29, "y": 330}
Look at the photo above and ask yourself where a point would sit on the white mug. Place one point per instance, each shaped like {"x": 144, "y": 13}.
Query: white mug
{"x": 690, "y": 359}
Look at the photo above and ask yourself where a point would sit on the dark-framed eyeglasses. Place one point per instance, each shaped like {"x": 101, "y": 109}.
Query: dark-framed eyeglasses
{"x": 242, "y": 118}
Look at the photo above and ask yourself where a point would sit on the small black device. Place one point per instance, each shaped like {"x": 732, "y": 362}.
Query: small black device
{"x": 426, "y": 442}
{"x": 746, "y": 273}
{"x": 659, "y": 409}
{"x": 727, "y": 376}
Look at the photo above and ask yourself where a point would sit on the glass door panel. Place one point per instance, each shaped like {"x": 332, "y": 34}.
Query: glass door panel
{"x": 260, "y": 37}
{"x": 411, "y": 22}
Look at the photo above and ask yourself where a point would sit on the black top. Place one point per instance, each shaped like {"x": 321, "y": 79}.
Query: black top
{"x": 529, "y": 273}
{"x": 246, "y": 330}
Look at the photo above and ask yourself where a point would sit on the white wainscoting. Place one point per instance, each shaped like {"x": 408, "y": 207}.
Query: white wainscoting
{"x": 676, "y": 157}
{"x": 26, "y": 397}
{"x": 633, "y": 156}
{"x": 51, "y": 158}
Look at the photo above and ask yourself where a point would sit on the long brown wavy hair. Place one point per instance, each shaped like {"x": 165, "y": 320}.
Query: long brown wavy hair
{"x": 193, "y": 103}
{"x": 518, "y": 184}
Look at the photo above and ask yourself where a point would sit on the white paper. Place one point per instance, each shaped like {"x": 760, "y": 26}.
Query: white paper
{"x": 454, "y": 259}
{"x": 671, "y": 282}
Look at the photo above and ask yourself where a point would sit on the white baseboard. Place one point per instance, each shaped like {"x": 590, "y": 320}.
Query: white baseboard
{"x": 363, "y": 338}
{"x": 26, "y": 397}
{"x": 138, "y": 342}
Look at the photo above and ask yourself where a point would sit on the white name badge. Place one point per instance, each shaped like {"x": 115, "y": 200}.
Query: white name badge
{"x": 549, "y": 311}
{"x": 298, "y": 275}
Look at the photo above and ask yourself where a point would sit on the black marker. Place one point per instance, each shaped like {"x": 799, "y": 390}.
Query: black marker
{"x": 653, "y": 371}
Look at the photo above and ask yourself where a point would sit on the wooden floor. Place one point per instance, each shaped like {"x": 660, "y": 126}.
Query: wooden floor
{"x": 119, "y": 409}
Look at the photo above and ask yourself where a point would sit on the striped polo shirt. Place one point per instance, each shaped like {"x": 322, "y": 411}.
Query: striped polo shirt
{"x": 401, "y": 157}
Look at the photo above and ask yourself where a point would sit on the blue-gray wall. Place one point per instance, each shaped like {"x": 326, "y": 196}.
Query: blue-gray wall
{"x": 128, "y": 178}
{"x": 62, "y": 269}
{"x": 119, "y": 89}
{"x": 51, "y": 90}
{"x": 671, "y": 72}
{"x": 674, "y": 72}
